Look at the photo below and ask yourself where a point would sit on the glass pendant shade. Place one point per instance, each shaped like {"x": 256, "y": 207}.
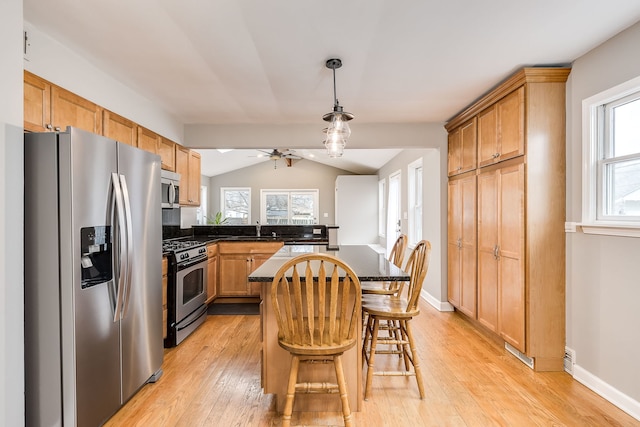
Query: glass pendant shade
{"x": 338, "y": 131}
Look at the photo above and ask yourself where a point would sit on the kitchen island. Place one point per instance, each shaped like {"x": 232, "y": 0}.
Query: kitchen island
{"x": 368, "y": 265}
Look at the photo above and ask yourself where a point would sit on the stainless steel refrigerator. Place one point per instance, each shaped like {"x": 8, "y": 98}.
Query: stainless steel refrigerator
{"x": 93, "y": 285}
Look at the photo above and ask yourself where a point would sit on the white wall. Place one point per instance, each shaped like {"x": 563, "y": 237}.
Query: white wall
{"x": 304, "y": 174}
{"x": 11, "y": 216}
{"x": 603, "y": 289}
{"x": 434, "y": 220}
{"x": 51, "y": 60}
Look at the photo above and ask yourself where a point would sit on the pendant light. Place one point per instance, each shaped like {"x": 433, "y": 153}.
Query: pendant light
{"x": 338, "y": 131}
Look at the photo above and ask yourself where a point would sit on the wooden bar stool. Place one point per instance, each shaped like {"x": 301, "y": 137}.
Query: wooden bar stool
{"x": 396, "y": 256}
{"x": 397, "y": 311}
{"x": 316, "y": 301}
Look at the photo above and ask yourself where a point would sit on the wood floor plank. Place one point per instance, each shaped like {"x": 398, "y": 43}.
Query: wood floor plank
{"x": 213, "y": 379}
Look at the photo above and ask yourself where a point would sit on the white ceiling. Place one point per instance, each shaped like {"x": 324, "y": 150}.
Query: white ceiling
{"x": 263, "y": 62}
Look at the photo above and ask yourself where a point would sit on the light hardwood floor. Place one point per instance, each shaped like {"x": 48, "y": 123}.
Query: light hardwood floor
{"x": 213, "y": 379}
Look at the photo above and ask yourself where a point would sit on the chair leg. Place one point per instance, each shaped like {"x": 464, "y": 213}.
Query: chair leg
{"x": 366, "y": 340}
{"x": 342, "y": 387}
{"x": 291, "y": 391}
{"x": 416, "y": 361}
{"x": 372, "y": 355}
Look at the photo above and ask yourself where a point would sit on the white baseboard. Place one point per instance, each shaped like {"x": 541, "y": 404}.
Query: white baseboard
{"x": 616, "y": 397}
{"x": 439, "y": 305}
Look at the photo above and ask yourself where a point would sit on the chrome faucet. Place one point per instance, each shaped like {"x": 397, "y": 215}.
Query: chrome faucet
{"x": 258, "y": 228}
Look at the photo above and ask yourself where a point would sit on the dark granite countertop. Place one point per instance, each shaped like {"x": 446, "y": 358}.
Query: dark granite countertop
{"x": 368, "y": 264}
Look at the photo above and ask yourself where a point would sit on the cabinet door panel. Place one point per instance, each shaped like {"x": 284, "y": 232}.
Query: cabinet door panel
{"x": 234, "y": 270}
{"x": 510, "y": 112}
{"x": 147, "y": 140}
{"x": 453, "y": 153}
{"x": 37, "y": 103}
{"x": 69, "y": 109}
{"x": 120, "y": 129}
{"x": 468, "y": 247}
{"x": 454, "y": 220}
{"x": 468, "y": 139}
{"x": 182, "y": 167}
{"x": 487, "y": 137}
{"x": 167, "y": 152}
{"x": 511, "y": 256}
{"x": 193, "y": 189}
{"x": 487, "y": 242}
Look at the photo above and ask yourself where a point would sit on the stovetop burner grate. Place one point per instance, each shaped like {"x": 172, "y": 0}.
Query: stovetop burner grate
{"x": 179, "y": 245}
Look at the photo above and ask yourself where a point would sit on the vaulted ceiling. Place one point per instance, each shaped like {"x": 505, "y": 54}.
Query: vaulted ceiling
{"x": 263, "y": 62}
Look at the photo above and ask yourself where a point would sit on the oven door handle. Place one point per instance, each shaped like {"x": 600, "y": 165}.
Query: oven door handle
{"x": 192, "y": 318}
{"x": 190, "y": 263}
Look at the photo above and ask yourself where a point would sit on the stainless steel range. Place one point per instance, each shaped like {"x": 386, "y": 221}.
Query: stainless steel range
{"x": 186, "y": 291}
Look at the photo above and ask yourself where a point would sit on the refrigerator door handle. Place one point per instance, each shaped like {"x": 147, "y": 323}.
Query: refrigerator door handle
{"x": 129, "y": 252}
{"x": 120, "y": 226}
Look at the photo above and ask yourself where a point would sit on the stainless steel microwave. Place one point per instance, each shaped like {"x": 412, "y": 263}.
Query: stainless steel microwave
{"x": 170, "y": 189}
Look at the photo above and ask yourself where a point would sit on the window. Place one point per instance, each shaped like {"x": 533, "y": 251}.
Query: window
{"x": 289, "y": 206}
{"x": 611, "y": 150}
{"x": 415, "y": 202}
{"x": 236, "y": 205}
{"x": 382, "y": 223}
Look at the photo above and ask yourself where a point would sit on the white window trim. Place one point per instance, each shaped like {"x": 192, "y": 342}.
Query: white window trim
{"x": 382, "y": 207}
{"x": 411, "y": 171}
{"x": 590, "y": 224}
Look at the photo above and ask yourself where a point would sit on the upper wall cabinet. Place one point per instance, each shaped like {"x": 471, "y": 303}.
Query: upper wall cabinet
{"x": 167, "y": 152}
{"x": 501, "y": 129}
{"x": 188, "y": 166}
{"x": 148, "y": 140}
{"x": 118, "y": 128}
{"x": 48, "y": 108}
{"x": 462, "y": 148}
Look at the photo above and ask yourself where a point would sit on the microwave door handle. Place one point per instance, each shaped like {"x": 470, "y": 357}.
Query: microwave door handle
{"x": 172, "y": 193}
{"x": 129, "y": 250}
{"x": 119, "y": 224}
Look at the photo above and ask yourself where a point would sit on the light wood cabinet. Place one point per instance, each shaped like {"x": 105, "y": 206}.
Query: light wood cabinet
{"x": 501, "y": 129}
{"x": 501, "y": 287}
{"x": 188, "y": 166}
{"x": 212, "y": 272}
{"x": 237, "y": 261}
{"x": 167, "y": 152}
{"x": 462, "y": 148}
{"x": 165, "y": 282}
{"x": 520, "y": 196}
{"x": 48, "y": 107}
{"x": 462, "y": 243}
{"x": 37, "y": 104}
{"x": 119, "y": 128}
{"x": 148, "y": 140}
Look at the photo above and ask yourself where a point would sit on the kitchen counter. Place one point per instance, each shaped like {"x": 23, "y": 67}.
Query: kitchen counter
{"x": 368, "y": 265}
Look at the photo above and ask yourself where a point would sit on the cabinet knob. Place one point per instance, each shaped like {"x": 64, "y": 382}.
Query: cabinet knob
{"x": 48, "y": 126}
{"x": 496, "y": 155}
{"x": 57, "y": 129}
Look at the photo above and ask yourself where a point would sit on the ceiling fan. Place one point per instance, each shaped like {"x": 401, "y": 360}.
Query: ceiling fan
{"x": 287, "y": 155}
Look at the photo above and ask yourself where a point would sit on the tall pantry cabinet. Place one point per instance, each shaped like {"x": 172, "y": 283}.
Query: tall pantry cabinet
{"x": 506, "y": 240}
